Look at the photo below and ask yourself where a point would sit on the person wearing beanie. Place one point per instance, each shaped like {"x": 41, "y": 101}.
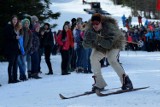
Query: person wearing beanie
{"x": 106, "y": 40}
{"x": 27, "y": 47}
{"x": 36, "y": 27}
{"x": 79, "y": 19}
{"x": 25, "y": 21}
{"x": 35, "y": 52}
{"x": 34, "y": 20}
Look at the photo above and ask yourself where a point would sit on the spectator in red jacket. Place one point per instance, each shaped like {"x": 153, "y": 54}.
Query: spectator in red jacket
{"x": 65, "y": 41}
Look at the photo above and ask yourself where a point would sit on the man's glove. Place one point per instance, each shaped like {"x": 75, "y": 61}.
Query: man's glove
{"x": 98, "y": 47}
{"x": 90, "y": 35}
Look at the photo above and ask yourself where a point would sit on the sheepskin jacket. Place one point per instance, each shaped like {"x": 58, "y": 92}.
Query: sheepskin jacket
{"x": 108, "y": 38}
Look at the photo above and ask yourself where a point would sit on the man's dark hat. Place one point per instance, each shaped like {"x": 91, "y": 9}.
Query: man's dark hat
{"x": 96, "y": 17}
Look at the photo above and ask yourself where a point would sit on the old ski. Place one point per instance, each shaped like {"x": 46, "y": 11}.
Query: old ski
{"x": 83, "y": 94}
{"x": 101, "y": 94}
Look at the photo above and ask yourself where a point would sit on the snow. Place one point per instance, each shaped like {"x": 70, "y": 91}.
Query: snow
{"x": 142, "y": 67}
{"x": 73, "y": 9}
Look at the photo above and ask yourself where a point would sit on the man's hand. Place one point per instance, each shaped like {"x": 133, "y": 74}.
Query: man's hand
{"x": 90, "y": 35}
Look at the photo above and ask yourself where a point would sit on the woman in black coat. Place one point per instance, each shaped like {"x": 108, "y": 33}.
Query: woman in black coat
{"x": 12, "y": 49}
{"x": 48, "y": 44}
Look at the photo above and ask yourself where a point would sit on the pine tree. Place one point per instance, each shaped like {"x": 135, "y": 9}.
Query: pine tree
{"x": 22, "y": 8}
{"x": 40, "y": 8}
{"x": 145, "y": 8}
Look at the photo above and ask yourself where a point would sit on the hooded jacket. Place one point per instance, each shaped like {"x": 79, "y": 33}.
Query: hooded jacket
{"x": 108, "y": 38}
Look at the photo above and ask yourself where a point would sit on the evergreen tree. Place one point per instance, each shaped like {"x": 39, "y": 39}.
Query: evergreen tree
{"x": 40, "y": 8}
{"x": 23, "y": 8}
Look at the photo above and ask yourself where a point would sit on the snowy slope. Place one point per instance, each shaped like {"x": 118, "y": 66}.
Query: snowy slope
{"x": 73, "y": 8}
{"x": 142, "y": 67}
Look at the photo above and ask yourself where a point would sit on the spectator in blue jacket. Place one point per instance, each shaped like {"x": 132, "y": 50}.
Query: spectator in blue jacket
{"x": 124, "y": 20}
{"x": 149, "y": 42}
{"x": 21, "y": 57}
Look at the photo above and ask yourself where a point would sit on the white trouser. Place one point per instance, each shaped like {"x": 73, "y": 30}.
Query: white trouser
{"x": 111, "y": 55}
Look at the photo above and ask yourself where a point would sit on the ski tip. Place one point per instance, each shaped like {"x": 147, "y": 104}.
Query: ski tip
{"x": 147, "y": 87}
{"x": 62, "y": 97}
{"x": 143, "y": 87}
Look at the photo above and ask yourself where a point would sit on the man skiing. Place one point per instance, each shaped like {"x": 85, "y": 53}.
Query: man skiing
{"x": 106, "y": 40}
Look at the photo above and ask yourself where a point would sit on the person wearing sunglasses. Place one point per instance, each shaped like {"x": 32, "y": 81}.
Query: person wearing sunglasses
{"x": 106, "y": 40}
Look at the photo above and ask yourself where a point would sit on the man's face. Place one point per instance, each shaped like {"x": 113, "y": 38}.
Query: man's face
{"x": 97, "y": 25}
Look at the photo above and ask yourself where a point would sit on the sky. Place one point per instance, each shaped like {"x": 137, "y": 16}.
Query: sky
{"x": 142, "y": 67}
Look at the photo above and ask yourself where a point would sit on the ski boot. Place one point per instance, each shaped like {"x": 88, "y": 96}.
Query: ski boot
{"x": 94, "y": 88}
{"x": 127, "y": 84}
